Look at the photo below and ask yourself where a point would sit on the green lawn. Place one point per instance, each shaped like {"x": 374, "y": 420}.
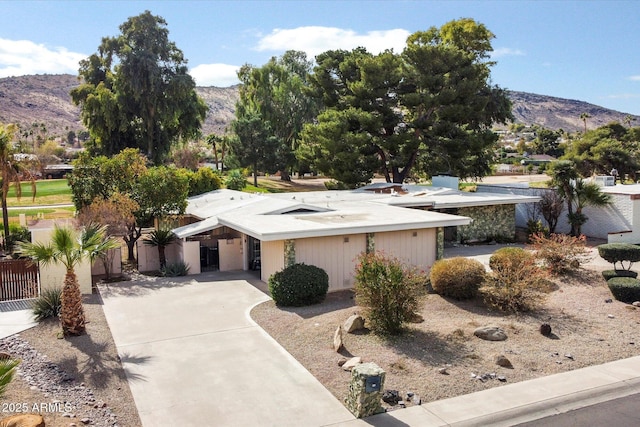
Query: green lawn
{"x": 48, "y": 192}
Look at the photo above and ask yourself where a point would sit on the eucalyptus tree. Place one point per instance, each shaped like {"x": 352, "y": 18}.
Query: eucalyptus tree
{"x": 136, "y": 91}
{"x": 278, "y": 93}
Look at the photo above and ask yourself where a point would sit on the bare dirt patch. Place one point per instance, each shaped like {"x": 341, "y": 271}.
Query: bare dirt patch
{"x": 586, "y": 330}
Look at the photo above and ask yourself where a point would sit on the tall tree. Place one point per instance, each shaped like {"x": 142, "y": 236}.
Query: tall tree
{"x": 256, "y": 146}
{"x": 584, "y": 117}
{"x": 425, "y": 111}
{"x": 12, "y": 171}
{"x": 70, "y": 248}
{"x": 136, "y": 91}
{"x": 279, "y": 93}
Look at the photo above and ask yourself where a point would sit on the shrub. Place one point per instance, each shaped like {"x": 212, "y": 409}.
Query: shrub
{"x": 610, "y": 274}
{"x": 7, "y": 371}
{"x": 388, "y": 291}
{"x": 298, "y": 285}
{"x": 48, "y": 304}
{"x": 204, "y": 180}
{"x": 560, "y": 253}
{"x": 536, "y": 227}
{"x": 458, "y": 277}
{"x": 235, "y": 180}
{"x": 620, "y": 253}
{"x": 516, "y": 283}
{"x": 625, "y": 289}
{"x": 175, "y": 269}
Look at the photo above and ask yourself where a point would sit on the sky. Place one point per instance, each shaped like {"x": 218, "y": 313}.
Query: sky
{"x": 583, "y": 50}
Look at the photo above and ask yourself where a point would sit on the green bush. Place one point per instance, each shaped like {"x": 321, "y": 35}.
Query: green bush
{"x": 235, "y": 180}
{"x": 610, "y": 274}
{"x": 48, "y": 304}
{"x": 298, "y": 285}
{"x": 516, "y": 283}
{"x": 620, "y": 253}
{"x": 388, "y": 291}
{"x": 175, "y": 269}
{"x": 625, "y": 289}
{"x": 457, "y": 278}
{"x": 204, "y": 180}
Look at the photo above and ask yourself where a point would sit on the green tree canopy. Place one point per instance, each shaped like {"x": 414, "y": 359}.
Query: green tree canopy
{"x": 425, "y": 111}
{"x": 277, "y": 92}
{"x": 136, "y": 91}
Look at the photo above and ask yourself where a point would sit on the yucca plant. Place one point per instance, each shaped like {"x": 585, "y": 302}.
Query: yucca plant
{"x": 48, "y": 304}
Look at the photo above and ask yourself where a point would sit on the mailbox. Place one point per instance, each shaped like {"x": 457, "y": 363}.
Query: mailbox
{"x": 372, "y": 384}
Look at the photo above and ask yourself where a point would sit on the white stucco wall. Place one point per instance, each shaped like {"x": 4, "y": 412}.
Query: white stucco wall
{"x": 52, "y": 276}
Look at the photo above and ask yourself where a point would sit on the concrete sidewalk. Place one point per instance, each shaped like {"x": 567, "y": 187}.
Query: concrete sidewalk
{"x": 521, "y": 402}
{"x": 194, "y": 357}
{"x": 15, "y": 316}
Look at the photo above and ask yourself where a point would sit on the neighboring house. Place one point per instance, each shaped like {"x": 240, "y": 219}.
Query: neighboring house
{"x": 230, "y": 230}
{"x": 617, "y": 222}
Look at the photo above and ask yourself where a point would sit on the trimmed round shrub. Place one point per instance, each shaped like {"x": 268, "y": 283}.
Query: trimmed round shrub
{"x": 625, "y": 289}
{"x": 509, "y": 257}
{"x": 620, "y": 253}
{"x": 299, "y": 285}
{"x": 610, "y": 274}
{"x": 457, "y": 278}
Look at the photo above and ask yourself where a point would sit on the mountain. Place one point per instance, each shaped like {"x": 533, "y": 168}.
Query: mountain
{"x": 45, "y": 99}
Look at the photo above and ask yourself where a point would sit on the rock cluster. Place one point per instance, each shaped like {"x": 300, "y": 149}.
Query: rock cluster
{"x": 65, "y": 394}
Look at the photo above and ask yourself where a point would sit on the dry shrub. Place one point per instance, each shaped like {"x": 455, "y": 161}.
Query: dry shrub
{"x": 458, "y": 277}
{"x": 559, "y": 252}
{"x": 388, "y": 291}
{"x": 516, "y": 282}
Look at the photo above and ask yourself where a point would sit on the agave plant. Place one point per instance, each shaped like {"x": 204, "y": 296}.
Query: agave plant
{"x": 7, "y": 370}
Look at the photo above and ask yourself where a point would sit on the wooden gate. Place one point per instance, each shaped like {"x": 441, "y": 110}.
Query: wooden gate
{"x": 18, "y": 280}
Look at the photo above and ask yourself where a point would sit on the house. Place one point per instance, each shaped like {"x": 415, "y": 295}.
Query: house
{"x": 231, "y": 230}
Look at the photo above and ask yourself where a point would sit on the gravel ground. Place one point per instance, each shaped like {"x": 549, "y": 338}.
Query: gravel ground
{"x": 74, "y": 381}
{"x": 441, "y": 358}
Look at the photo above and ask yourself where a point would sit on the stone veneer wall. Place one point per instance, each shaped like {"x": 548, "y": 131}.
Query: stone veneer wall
{"x": 360, "y": 402}
{"x": 489, "y": 222}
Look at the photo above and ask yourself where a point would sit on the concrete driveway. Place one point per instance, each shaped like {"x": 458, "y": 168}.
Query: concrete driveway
{"x": 194, "y": 357}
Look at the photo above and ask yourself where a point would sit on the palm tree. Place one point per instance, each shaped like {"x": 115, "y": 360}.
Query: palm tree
{"x": 10, "y": 171}
{"x": 586, "y": 194}
{"x": 161, "y": 238}
{"x": 70, "y": 247}
{"x": 7, "y": 369}
{"x": 584, "y": 117}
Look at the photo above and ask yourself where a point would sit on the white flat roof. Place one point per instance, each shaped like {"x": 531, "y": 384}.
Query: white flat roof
{"x": 375, "y": 208}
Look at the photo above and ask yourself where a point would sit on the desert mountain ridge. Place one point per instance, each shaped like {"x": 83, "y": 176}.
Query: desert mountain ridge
{"x": 45, "y": 99}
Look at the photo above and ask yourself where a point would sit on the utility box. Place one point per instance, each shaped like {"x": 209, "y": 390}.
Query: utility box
{"x": 365, "y": 390}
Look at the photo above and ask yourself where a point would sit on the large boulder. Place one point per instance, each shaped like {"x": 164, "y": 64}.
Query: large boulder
{"x": 490, "y": 333}
{"x": 337, "y": 339}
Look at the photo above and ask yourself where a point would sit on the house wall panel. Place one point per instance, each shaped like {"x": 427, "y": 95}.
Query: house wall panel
{"x": 271, "y": 258}
{"x": 337, "y": 255}
{"x": 231, "y": 254}
{"x": 413, "y": 247}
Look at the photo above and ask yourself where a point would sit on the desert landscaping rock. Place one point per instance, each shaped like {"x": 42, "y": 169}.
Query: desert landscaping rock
{"x": 392, "y": 397}
{"x": 545, "y": 329}
{"x": 501, "y": 360}
{"x": 42, "y": 375}
{"x": 354, "y": 323}
{"x": 490, "y": 333}
{"x": 337, "y": 339}
{"x": 636, "y": 304}
{"x": 351, "y": 363}
{"x": 342, "y": 361}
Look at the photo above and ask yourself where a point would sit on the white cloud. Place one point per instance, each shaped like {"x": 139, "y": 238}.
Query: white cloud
{"x": 314, "y": 40}
{"x": 23, "y": 57}
{"x": 506, "y": 51}
{"x": 635, "y": 78}
{"x": 220, "y": 75}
